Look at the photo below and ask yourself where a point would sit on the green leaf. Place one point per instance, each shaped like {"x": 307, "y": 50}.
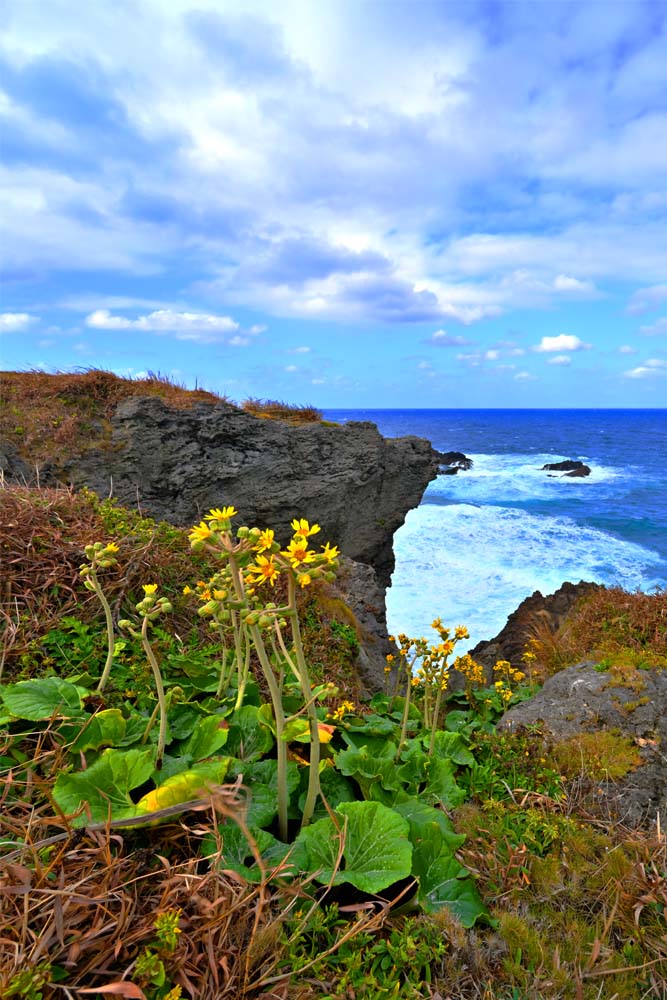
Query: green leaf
{"x": 421, "y": 817}
{"x": 443, "y": 881}
{"x": 103, "y": 729}
{"x": 262, "y": 805}
{"x": 208, "y": 736}
{"x": 42, "y": 698}
{"x": 452, "y": 745}
{"x": 237, "y": 855}
{"x": 248, "y": 738}
{"x": 373, "y": 725}
{"x": 105, "y": 786}
{"x": 182, "y": 720}
{"x": 374, "y": 775}
{"x": 441, "y": 787}
{"x": 376, "y": 850}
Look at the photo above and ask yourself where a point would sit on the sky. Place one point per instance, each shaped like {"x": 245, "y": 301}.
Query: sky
{"x": 343, "y": 203}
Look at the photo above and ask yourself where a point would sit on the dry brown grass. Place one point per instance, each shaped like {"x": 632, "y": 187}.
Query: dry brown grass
{"x": 630, "y": 629}
{"x": 51, "y": 417}
{"x": 42, "y": 540}
{"x": 88, "y": 904}
{"x": 273, "y": 409}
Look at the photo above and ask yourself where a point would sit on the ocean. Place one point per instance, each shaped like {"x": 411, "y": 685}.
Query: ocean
{"x": 483, "y": 540}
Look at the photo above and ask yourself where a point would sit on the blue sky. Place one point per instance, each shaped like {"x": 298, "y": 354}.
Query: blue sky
{"x": 345, "y": 203}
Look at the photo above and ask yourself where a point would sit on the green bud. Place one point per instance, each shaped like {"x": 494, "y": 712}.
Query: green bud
{"x": 242, "y": 532}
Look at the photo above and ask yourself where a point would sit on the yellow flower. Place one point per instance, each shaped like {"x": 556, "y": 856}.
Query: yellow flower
{"x": 221, "y": 514}
{"x": 265, "y": 540}
{"x": 264, "y": 570}
{"x": 298, "y": 552}
{"x": 200, "y": 533}
{"x": 461, "y": 632}
{"x": 149, "y": 588}
{"x": 111, "y": 547}
{"x": 187, "y": 590}
{"x": 302, "y": 529}
{"x": 305, "y": 579}
{"x": 219, "y": 595}
{"x": 389, "y": 657}
{"x": 330, "y": 552}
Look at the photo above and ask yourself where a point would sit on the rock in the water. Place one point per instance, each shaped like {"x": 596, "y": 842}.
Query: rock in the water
{"x": 583, "y": 699}
{"x": 580, "y": 472}
{"x": 568, "y": 466}
{"x": 176, "y": 464}
{"x": 454, "y": 460}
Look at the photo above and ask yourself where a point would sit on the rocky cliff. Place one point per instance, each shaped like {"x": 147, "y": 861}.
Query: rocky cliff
{"x": 176, "y": 464}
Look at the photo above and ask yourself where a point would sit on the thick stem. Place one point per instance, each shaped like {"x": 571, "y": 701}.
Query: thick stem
{"x": 224, "y": 677}
{"x": 436, "y": 713}
{"x": 279, "y": 715}
{"x": 162, "y": 701}
{"x": 110, "y": 632}
{"x": 306, "y": 688}
{"x": 406, "y": 708}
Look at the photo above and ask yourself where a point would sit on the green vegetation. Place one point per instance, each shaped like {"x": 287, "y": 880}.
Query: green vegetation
{"x": 189, "y": 809}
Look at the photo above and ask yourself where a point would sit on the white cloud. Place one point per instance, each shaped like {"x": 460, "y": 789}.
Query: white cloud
{"x": 564, "y": 283}
{"x": 562, "y": 342}
{"x": 491, "y": 355}
{"x": 291, "y": 368}
{"x": 650, "y": 369}
{"x": 627, "y": 349}
{"x": 205, "y": 328}
{"x": 300, "y": 350}
{"x": 443, "y": 339}
{"x": 657, "y": 329}
{"x": 560, "y": 359}
{"x": 525, "y": 377}
{"x": 11, "y": 322}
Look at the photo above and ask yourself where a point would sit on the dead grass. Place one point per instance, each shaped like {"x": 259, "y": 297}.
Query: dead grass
{"x": 629, "y": 629}
{"x": 273, "y": 409}
{"x": 52, "y": 417}
{"x": 42, "y": 541}
{"x": 88, "y": 906}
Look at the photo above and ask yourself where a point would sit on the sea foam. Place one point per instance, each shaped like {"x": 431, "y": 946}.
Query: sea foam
{"x": 473, "y": 565}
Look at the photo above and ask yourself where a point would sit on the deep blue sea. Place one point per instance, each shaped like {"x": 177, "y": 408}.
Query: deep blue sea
{"x": 483, "y": 540}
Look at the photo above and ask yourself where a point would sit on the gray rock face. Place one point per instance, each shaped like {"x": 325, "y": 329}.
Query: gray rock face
{"x": 583, "y": 699}
{"x": 176, "y": 464}
{"x": 358, "y": 587}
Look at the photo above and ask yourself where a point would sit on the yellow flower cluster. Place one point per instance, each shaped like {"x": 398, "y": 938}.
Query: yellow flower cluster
{"x": 471, "y": 670}
{"x": 343, "y": 709}
{"x": 504, "y": 670}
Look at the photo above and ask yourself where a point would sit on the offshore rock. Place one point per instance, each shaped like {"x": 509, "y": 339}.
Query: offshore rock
{"x": 453, "y": 461}
{"x": 570, "y": 466}
{"x": 585, "y": 699}
{"x": 579, "y": 473}
{"x": 176, "y": 464}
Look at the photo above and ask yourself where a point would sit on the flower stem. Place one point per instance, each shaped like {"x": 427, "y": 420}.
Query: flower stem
{"x": 307, "y": 691}
{"x": 162, "y": 701}
{"x": 110, "y": 631}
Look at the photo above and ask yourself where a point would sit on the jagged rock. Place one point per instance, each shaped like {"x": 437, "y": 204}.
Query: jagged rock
{"x": 571, "y": 465}
{"x": 453, "y": 461}
{"x": 549, "y": 612}
{"x": 579, "y": 473}
{"x": 176, "y": 464}
{"x": 12, "y": 467}
{"x": 583, "y": 699}
{"x": 357, "y": 585}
